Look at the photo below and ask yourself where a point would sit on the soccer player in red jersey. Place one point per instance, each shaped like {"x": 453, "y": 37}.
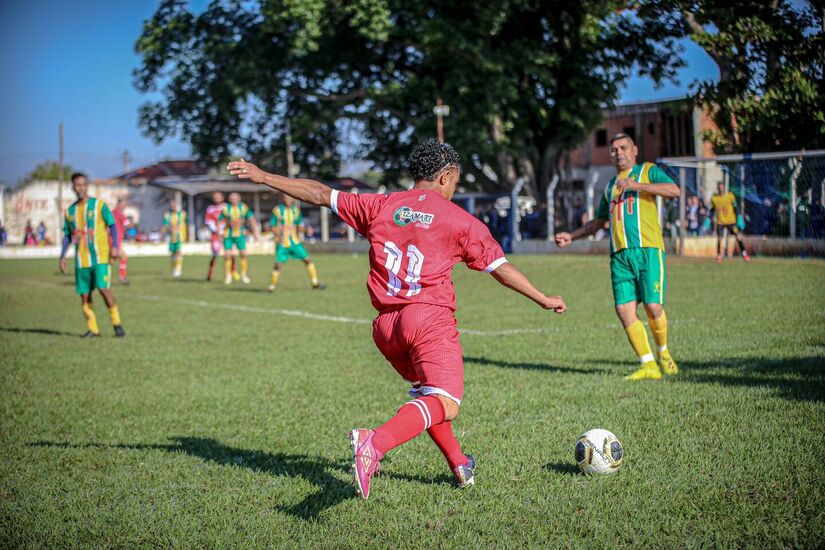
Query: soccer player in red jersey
{"x": 120, "y": 222}
{"x": 416, "y": 237}
{"x": 215, "y": 225}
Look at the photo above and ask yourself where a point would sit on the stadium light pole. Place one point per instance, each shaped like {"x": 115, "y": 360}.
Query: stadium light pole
{"x": 441, "y": 111}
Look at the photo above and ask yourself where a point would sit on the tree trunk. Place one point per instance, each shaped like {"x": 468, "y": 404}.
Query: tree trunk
{"x": 506, "y": 166}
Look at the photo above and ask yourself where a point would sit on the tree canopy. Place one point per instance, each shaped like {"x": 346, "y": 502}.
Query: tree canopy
{"x": 525, "y": 80}
{"x": 771, "y": 92}
{"x": 49, "y": 170}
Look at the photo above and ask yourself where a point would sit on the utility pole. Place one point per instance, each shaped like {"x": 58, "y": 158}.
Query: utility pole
{"x": 127, "y": 158}
{"x": 441, "y": 111}
{"x": 59, "y": 227}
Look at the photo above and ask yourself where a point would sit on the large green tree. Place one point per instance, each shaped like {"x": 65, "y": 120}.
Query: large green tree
{"x": 771, "y": 92}
{"x": 525, "y": 80}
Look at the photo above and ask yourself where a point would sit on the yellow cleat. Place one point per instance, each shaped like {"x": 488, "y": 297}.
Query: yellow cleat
{"x": 649, "y": 371}
{"x": 667, "y": 364}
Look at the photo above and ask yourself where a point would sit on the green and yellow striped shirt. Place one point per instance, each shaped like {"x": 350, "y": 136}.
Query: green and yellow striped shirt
{"x": 285, "y": 221}
{"x": 86, "y": 224}
{"x": 634, "y": 218}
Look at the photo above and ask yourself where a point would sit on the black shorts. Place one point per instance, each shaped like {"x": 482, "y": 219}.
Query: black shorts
{"x": 732, "y": 228}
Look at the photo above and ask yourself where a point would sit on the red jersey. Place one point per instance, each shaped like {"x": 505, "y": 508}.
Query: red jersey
{"x": 416, "y": 237}
{"x": 213, "y": 213}
{"x": 120, "y": 222}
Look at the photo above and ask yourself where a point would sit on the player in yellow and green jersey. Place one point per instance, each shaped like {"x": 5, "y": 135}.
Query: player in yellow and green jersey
{"x": 287, "y": 223}
{"x": 236, "y": 215}
{"x": 723, "y": 210}
{"x": 637, "y": 251}
{"x": 88, "y": 225}
{"x": 175, "y": 225}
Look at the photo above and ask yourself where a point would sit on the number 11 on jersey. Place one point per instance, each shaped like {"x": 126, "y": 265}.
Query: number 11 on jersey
{"x": 393, "y": 264}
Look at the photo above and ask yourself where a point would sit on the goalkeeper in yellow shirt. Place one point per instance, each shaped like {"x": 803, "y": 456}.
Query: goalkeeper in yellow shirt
{"x": 723, "y": 210}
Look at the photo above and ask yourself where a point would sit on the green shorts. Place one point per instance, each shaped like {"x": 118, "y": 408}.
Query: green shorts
{"x": 86, "y": 279}
{"x": 174, "y": 248}
{"x": 239, "y": 242}
{"x": 284, "y": 253}
{"x": 638, "y": 274}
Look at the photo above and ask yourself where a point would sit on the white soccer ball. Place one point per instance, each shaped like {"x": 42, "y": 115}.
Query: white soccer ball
{"x": 599, "y": 452}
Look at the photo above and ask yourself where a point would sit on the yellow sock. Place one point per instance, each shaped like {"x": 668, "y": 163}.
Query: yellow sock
{"x": 179, "y": 263}
{"x": 227, "y": 265}
{"x": 273, "y": 279}
{"x": 243, "y": 266}
{"x": 638, "y": 339}
{"x": 114, "y": 313}
{"x": 91, "y": 320}
{"x": 659, "y": 329}
{"x": 313, "y": 274}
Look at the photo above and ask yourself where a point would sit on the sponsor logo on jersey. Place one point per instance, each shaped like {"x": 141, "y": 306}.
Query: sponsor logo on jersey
{"x": 406, "y": 215}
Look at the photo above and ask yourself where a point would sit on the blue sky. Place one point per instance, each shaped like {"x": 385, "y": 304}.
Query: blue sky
{"x": 72, "y": 62}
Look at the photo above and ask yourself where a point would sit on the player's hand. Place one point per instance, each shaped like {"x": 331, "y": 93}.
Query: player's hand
{"x": 114, "y": 253}
{"x": 246, "y": 171}
{"x": 63, "y": 269}
{"x": 556, "y": 303}
{"x": 627, "y": 184}
{"x": 563, "y": 239}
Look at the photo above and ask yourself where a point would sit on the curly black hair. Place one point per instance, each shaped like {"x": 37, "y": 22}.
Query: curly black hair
{"x": 429, "y": 158}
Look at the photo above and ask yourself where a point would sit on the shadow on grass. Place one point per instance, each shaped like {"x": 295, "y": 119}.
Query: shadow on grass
{"x": 563, "y": 468}
{"x": 547, "y": 367}
{"x": 316, "y": 470}
{"x": 38, "y": 331}
{"x": 793, "y": 378}
{"x": 199, "y": 280}
{"x": 240, "y": 287}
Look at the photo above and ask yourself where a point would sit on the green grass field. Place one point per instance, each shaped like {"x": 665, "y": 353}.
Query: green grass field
{"x": 221, "y": 419}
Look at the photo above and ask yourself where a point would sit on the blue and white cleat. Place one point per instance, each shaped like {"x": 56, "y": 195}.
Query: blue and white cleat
{"x": 464, "y": 475}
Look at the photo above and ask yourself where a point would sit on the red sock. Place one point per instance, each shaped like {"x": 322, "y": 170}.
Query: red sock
{"x": 411, "y": 419}
{"x": 211, "y": 267}
{"x": 121, "y": 268}
{"x": 442, "y": 435}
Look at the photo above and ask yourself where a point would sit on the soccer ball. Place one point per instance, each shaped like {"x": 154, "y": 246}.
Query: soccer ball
{"x": 599, "y": 452}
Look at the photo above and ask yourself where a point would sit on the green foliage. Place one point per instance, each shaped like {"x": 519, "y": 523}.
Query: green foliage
{"x": 221, "y": 420}
{"x": 771, "y": 92}
{"x": 524, "y": 80}
{"x": 49, "y": 170}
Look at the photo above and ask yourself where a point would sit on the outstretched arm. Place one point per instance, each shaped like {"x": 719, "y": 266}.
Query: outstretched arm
{"x": 590, "y": 228}
{"x": 310, "y": 191}
{"x": 508, "y": 275}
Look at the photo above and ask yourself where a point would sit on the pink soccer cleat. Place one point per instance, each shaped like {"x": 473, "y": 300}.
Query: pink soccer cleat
{"x": 365, "y": 460}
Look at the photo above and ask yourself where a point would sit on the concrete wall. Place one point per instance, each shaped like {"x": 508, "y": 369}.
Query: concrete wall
{"x": 37, "y": 201}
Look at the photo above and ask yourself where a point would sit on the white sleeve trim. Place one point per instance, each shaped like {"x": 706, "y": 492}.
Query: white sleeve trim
{"x": 333, "y": 201}
{"x": 496, "y": 264}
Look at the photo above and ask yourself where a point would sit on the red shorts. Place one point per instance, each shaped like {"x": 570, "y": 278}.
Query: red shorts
{"x": 217, "y": 241}
{"x": 421, "y": 343}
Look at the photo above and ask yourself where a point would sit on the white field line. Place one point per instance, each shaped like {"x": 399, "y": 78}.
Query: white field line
{"x": 324, "y": 317}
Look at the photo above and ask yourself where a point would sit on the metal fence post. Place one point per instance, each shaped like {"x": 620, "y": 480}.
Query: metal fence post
{"x": 551, "y": 207}
{"x": 682, "y": 198}
{"x": 514, "y": 214}
{"x": 324, "y": 224}
{"x": 794, "y": 176}
{"x": 594, "y": 178}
